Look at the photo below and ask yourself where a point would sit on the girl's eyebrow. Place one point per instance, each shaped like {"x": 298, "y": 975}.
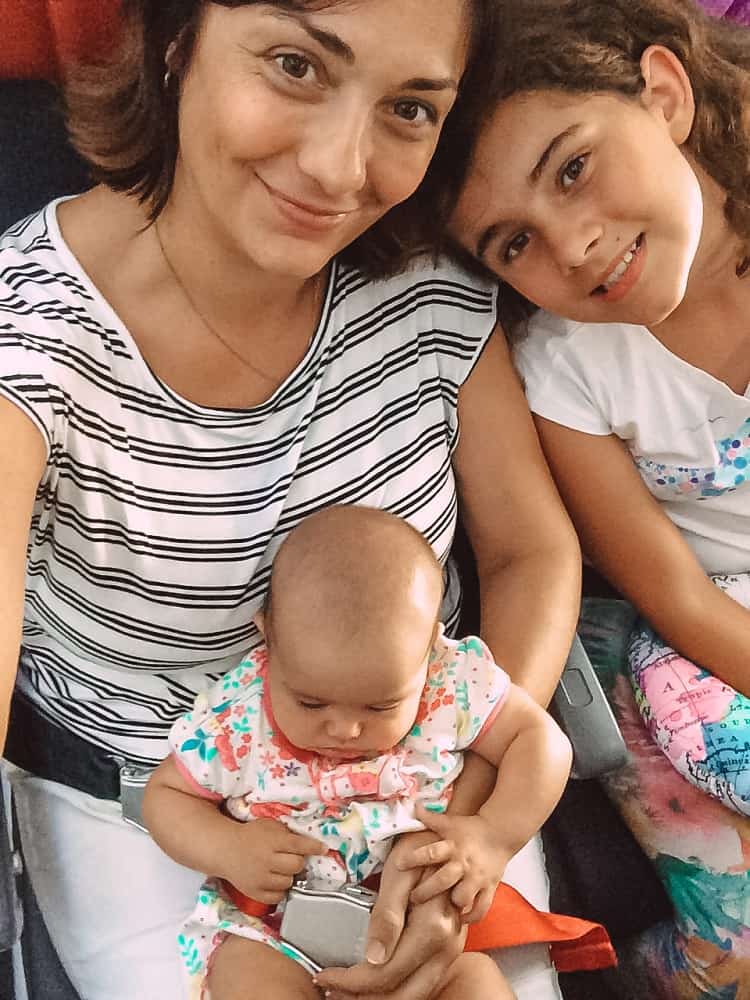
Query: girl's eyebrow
{"x": 544, "y": 159}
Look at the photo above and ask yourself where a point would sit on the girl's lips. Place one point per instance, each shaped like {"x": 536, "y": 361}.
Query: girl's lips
{"x": 618, "y": 291}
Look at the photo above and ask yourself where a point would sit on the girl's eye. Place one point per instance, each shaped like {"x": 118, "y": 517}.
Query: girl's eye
{"x": 515, "y": 247}
{"x": 572, "y": 171}
{"x": 293, "y": 64}
{"x": 383, "y": 708}
{"x": 310, "y": 704}
{"x": 414, "y": 112}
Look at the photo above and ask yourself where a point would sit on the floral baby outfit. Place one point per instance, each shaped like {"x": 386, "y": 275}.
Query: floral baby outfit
{"x": 229, "y": 749}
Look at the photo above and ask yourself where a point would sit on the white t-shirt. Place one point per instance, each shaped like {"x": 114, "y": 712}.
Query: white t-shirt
{"x": 157, "y": 519}
{"x": 688, "y": 433}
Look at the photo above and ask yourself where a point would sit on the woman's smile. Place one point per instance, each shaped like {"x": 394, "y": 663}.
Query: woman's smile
{"x": 301, "y": 216}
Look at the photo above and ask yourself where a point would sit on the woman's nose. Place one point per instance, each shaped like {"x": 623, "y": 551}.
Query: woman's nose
{"x": 337, "y": 147}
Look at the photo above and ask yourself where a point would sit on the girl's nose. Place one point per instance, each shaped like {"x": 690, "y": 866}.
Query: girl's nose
{"x": 572, "y": 241}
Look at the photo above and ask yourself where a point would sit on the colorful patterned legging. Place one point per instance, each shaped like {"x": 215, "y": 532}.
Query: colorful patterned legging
{"x": 699, "y": 847}
{"x": 701, "y": 724}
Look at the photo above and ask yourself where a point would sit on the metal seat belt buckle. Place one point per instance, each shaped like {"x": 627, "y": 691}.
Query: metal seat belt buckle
{"x": 133, "y": 781}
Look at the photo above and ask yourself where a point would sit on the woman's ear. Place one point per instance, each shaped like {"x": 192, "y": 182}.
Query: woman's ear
{"x": 667, "y": 91}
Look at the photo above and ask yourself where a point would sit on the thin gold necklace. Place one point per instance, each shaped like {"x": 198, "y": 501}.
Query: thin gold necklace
{"x": 209, "y": 326}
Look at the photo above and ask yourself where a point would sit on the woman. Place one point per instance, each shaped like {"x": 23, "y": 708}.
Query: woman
{"x": 194, "y": 356}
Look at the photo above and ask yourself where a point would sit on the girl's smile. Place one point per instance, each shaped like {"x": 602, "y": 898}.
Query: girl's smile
{"x": 585, "y": 204}
{"x": 624, "y": 272}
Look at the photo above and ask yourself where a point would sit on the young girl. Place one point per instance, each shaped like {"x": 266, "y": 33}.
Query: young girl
{"x": 331, "y": 739}
{"x": 621, "y": 201}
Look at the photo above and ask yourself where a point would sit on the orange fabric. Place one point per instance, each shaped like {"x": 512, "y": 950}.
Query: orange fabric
{"x": 40, "y": 39}
{"x": 575, "y": 945}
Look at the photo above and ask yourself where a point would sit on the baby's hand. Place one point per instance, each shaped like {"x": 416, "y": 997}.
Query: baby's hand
{"x": 264, "y": 856}
{"x": 471, "y": 859}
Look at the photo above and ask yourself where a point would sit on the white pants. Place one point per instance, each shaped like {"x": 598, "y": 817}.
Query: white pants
{"x": 113, "y": 902}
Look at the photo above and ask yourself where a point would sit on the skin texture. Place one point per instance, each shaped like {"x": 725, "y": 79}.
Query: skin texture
{"x": 342, "y": 682}
{"x": 628, "y": 173}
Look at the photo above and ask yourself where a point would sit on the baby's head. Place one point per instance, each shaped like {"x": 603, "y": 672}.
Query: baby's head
{"x": 350, "y": 620}
{"x": 610, "y": 123}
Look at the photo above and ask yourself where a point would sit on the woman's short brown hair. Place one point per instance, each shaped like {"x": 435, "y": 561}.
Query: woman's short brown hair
{"x": 122, "y": 118}
{"x": 596, "y": 46}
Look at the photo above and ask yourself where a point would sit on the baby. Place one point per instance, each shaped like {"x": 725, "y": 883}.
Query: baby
{"x": 344, "y": 730}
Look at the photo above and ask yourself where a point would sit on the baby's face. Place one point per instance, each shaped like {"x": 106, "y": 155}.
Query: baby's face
{"x": 349, "y": 704}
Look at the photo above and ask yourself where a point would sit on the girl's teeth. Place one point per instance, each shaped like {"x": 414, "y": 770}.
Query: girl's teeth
{"x": 622, "y": 266}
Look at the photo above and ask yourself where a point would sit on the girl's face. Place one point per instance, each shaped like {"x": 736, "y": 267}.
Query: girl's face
{"x": 299, "y": 130}
{"x": 585, "y": 204}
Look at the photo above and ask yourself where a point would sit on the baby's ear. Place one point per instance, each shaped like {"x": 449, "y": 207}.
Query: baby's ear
{"x": 667, "y": 91}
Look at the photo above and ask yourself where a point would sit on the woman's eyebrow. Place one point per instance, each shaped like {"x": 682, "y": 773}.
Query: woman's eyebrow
{"x": 426, "y": 83}
{"x": 329, "y": 40}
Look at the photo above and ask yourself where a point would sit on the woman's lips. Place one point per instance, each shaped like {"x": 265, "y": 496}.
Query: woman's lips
{"x": 304, "y": 216}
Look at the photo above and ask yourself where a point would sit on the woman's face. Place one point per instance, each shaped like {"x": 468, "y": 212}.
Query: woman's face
{"x": 299, "y": 130}
{"x": 585, "y": 205}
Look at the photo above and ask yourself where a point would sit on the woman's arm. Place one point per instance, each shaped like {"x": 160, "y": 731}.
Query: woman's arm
{"x": 525, "y": 547}
{"x": 22, "y": 460}
{"x": 636, "y": 546}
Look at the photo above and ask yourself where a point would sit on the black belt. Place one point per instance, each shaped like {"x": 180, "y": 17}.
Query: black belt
{"x": 46, "y": 750}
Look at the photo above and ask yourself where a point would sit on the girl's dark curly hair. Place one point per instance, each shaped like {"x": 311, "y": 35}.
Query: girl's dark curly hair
{"x": 589, "y": 46}
{"x": 123, "y": 120}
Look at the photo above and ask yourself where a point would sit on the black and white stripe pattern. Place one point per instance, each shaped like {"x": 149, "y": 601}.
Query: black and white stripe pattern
{"x": 157, "y": 519}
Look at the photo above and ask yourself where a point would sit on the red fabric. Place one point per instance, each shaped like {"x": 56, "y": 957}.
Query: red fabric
{"x": 246, "y": 904}
{"x": 575, "y": 945}
{"x": 40, "y": 39}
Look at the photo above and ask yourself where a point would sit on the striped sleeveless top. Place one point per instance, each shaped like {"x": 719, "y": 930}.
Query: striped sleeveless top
{"x": 156, "y": 520}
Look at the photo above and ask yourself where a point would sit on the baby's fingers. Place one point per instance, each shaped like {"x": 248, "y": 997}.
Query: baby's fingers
{"x": 426, "y": 855}
{"x": 287, "y": 864}
{"x": 440, "y": 881}
{"x": 481, "y": 905}
{"x": 300, "y": 843}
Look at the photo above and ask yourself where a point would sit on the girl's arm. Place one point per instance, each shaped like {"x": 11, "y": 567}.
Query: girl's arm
{"x": 526, "y": 551}
{"x": 636, "y": 546}
{"x": 22, "y": 460}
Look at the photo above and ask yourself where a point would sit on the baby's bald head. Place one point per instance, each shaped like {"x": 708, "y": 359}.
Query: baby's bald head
{"x": 352, "y": 576}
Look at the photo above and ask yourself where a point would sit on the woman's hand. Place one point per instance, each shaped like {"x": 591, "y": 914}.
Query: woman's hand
{"x": 408, "y": 954}
{"x": 470, "y": 858}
